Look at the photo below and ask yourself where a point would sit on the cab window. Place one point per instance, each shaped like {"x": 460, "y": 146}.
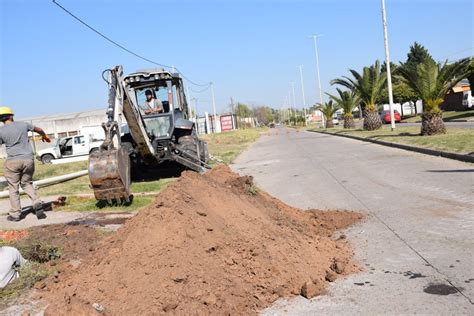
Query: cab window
{"x": 79, "y": 140}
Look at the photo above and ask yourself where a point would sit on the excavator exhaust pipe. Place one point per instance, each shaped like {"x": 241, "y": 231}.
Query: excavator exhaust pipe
{"x": 109, "y": 174}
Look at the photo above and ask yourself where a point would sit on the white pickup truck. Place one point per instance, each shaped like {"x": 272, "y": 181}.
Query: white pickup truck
{"x": 71, "y": 146}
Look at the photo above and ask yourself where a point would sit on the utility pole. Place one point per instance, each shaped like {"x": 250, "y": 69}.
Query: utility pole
{"x": 234, "y": 125}
{"x": 387, "y": 61}
{"x": 294, "y": 98}
{"x": 190, "y": 106}
{"x": 194, "y": 110}
{"x": 315, "y": 40}
{"x": 302, "y": 86}
{"x": 302, "y": 93}
{"x": 214, "y": 107}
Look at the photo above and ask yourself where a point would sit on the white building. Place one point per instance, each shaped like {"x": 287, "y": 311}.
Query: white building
{"x": 62, "y": 125}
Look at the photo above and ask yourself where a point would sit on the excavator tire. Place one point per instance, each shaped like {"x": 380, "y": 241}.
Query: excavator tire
{"x": 109, "y": 174}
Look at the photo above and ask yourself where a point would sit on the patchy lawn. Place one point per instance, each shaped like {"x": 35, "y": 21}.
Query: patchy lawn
{"x": 448, "y": 116}
{"x": 224, "y": 146}
{"x": 43, "y": 171}
{"x": 47, "y": 248}
{"x": 90, "y": 204}
{"x": 228, "y": 145}
{"x": 459, "y": 140}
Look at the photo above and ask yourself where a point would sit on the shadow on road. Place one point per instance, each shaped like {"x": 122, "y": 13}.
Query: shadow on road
{"x": 451, "y": 171}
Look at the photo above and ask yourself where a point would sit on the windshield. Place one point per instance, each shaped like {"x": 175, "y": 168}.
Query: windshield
{"x": 158, "y": 127}
{"x": 159, "y": 93}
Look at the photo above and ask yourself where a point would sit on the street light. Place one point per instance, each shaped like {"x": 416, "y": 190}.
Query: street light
{"x": 315, "y": 37}
{"x": 214, "y": 106}
{"x": 387, "y": 61}
{"x": 302, "y": 93}
{"x": 294, "y": 98}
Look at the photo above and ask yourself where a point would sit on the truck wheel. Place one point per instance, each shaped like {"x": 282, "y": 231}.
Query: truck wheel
{"x": 93, "y": 150}
{"x": 46, "y": 159}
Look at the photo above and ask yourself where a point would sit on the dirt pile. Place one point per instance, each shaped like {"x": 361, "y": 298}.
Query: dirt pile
{"x": 208, "y": 244}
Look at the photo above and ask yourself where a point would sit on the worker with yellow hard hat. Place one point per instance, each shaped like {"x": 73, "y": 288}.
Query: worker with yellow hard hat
{"x": 20, "y": 165}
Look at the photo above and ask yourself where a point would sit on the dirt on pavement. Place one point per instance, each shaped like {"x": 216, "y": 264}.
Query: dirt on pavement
{"x": 209, "y": 244}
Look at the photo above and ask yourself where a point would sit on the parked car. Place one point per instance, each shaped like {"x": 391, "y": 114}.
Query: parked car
{"x": 68, "y": 147}
{"x": 335, "y": 121}
{"x": 385, "y": 116}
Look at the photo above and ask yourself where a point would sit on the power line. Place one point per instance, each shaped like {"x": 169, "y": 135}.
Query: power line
{"x": 123, "y": 47}
{"x": 200, "y": 91}
{"x": 458, "y": 52}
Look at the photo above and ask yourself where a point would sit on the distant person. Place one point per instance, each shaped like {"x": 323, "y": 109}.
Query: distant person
{"x": 10, "y": 261}
{"x": 152, "y": 105}
{"x": 20, "y": 165}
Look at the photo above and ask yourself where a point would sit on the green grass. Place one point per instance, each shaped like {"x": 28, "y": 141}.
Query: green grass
{"x": 30, "y": 273}
{"x": 151, "y": 186}
{"x": 227, "y": 146}
{"x": 448, "y": 116}
{"x": 81, "y": 185}
{"x": 33, "y": 271}
{"x": 89, "y": 204}
{"x": 224, "y": 146}
{"x": 459, "y": 140}
{"x": 47, "y": 171}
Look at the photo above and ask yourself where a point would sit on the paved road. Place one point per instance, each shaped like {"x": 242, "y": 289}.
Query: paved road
{"x": 418, "y": 237}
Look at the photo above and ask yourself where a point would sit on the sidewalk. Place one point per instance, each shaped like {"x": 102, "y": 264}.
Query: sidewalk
{"x": 30, "y": 219}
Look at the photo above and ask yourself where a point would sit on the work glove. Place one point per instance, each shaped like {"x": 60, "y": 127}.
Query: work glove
{"x": 45, "y": 138}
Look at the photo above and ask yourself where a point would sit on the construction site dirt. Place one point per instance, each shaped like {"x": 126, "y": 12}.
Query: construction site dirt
{"x": 209, "y": 244}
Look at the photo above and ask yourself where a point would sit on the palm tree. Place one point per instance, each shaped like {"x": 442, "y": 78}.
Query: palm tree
{"x": 328, "y": 109}
{"x": 431, "y": 81}
{"x": 348, "y": 101}
{"x": 368, "y": 86}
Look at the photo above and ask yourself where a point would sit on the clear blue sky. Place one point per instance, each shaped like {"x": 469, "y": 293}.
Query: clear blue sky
{"x": 251, "y": 49}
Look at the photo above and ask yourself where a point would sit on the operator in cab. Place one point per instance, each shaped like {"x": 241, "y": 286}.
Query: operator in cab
{"x": 152, "y": 105}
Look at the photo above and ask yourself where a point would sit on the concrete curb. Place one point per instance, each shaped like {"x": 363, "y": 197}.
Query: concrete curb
{"x": 426, "y": 151}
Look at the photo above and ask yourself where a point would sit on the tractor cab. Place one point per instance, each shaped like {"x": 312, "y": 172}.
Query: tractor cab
{"x": 167, "y": 89}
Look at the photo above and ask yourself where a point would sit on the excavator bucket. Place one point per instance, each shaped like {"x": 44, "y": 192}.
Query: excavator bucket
{"x": 109, "y": 174}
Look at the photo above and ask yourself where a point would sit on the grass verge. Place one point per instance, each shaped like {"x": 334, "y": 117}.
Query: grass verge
{"x": 224, "y": 146}
{"x": 90, "y": 204}
{"x": 448, "y": 116}
{"x": 227, "y": 146}
{"x": 37, "y": 253}
{"x": 458, "y": 140}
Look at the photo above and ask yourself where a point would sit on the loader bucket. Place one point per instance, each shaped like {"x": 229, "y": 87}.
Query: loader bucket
{"x": 109, "y": 174}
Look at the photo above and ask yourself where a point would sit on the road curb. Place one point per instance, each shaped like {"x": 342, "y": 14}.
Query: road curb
{"x": 426, "y": 151}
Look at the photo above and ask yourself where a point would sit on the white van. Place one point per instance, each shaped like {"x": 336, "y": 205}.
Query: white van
{"x": 467, "y": 100}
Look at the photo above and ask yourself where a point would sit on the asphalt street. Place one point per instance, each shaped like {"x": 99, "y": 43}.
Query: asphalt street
{"x": 416, "y": 245}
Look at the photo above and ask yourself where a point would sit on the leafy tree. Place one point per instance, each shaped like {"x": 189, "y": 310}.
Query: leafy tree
{"x": 243, "y": 110}
{"x": 417, "y": 55}
{"x": 264, "y": 114}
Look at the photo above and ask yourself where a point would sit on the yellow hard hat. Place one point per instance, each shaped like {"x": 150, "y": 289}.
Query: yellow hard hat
{"x": 5, "y": 110}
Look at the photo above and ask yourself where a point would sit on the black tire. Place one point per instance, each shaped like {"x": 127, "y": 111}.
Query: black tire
{"x": 93, "y": 150}
{"x": 46, "y": 158}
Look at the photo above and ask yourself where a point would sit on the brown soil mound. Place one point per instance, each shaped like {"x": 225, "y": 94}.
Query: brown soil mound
{"x": 210, "y": 244}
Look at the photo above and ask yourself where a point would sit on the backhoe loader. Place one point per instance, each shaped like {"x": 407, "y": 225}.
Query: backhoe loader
{"x": 136, "y": 136}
